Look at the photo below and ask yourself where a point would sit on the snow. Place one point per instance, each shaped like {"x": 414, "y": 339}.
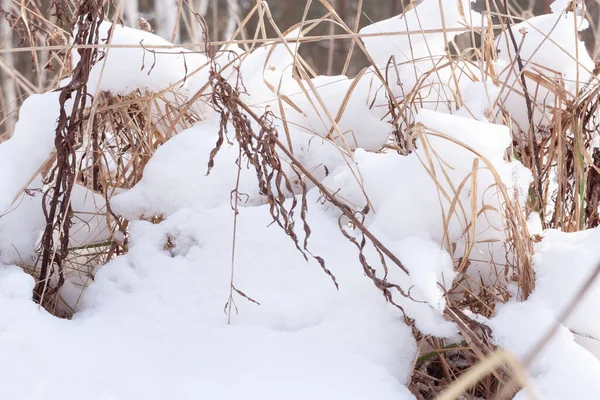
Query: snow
{"x": 550, "y": 45}
{"x": 151, "y": 324}
{"x": 568, "y": 366}
{"x": 564, "y": 5}
{"x": 426, "y": 16}
{"x": 140, "y": 60}
{"x": 90, "y": 218}
{"x": 21, "y": 159}
{"x": 21, "y": 227}
{"x": 334, "y": 107}
{"x": 176, "y": 176}
{"x": 349, "y": 103}
{"x": 407, "y": 47}
{"x": 15, "y": 284}
{"x": 567, "y": 261}
{"x": 17, "y": 168}
{"x": 432, "y": 204}
{"x": 163, "y": 316}
{"x": 417, "y": 252}
{"x": 564, "y": 369}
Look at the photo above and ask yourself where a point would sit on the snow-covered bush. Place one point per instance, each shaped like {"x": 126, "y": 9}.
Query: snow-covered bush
{"x": 371, "y": 236}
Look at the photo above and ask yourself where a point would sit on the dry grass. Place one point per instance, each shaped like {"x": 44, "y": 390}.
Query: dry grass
{"x": 119, "y": 134}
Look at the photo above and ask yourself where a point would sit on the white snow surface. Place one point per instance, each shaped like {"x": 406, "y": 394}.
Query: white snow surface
{"x": 566, "y": 261}
{"x": 405, "y": 59}
{"x": 152, "y": 324}
{"x": 19, "y": 160}
{"x": 569, "y": 365}
{"x": 564, "y": 369}
{"x": 548, "y": 44}
{"x": 139, "y": 60}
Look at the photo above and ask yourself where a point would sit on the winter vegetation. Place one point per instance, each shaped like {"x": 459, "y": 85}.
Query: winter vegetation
{"x": 299, "y": 200}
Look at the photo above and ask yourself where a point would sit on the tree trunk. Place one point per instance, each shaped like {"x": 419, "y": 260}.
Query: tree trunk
{"x": 166, "y": 12}
{"x": 233, "y": 17}
{"x": 9, "y": 90}
{"x": 131, "y": 8}
{"x": 201, "y": 7}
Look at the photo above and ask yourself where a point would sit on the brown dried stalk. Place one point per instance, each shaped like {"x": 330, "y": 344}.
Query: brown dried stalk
{"x": 69, "y": 131}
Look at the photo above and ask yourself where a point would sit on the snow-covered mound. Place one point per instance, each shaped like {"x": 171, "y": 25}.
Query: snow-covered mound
{"x": 151, "y": 324}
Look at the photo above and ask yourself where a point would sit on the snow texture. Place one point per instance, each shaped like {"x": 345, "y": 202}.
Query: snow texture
{"x": 151, "y": 324}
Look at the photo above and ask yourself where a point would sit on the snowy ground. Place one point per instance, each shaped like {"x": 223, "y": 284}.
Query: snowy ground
{"x": 152, "y": 324}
